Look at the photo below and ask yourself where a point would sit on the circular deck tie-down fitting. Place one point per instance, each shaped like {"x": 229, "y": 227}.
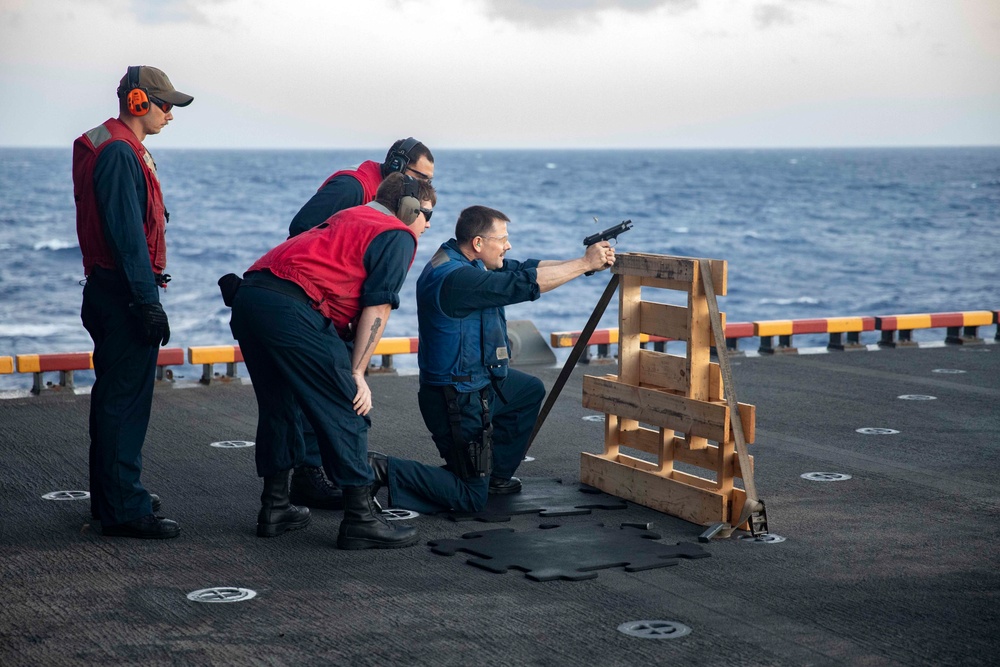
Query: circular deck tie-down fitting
{"x": 67, "y": 495}
{"x": 916, "y": 397}
{"x": 825, "y": 476}
{"x": 654, "y": 629}
{"x": 396, "y": 514}
{"x": 948, "y": 371}
{"x": 874, "y": 430}
{"x": 594, "y": 418}
{"x": 770, "y": 538}
{"x": 232, "y": 444}
{"x": 222, "y": 594}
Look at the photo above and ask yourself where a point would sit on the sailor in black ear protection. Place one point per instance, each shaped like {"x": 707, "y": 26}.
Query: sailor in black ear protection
{"x": 342, "y": 190}
{"x": 355, "y": 187}
{"x": 118, "y": 200}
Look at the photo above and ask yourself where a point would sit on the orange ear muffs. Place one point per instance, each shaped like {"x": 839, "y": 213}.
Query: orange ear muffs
{"x": 138, "y": 102}
{"x": 136, "y": 98}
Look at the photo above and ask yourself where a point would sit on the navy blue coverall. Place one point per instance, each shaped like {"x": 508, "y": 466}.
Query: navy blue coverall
{"x": 124, "y": 363}
{"x": 340, "y": 193}
{"x": 425, "y": 489}
{"x": 300, "y": 365}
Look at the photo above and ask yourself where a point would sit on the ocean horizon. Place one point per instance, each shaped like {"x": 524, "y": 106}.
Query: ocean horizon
{"x": 806, "y": 232}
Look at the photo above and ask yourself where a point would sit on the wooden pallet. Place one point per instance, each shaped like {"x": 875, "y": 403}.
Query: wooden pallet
{"x": 669, "y": 406}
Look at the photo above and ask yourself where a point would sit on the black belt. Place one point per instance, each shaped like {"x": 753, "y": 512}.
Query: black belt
{"x": 269, "y": 281}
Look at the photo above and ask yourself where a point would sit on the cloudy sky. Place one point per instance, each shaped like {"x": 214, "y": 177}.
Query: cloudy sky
{"x": 513, "y": 73}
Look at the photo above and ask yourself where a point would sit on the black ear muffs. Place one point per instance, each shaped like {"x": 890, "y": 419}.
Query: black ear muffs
{"x": 400, "y": 157}
{"x": 135, "y": 96}
{"x": 408, "y": 208}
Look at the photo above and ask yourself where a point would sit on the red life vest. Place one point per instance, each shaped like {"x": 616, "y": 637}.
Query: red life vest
{"x": 327, "y": 262}
{"x": 369, "y": 174}
{"x": 89, "y": 230}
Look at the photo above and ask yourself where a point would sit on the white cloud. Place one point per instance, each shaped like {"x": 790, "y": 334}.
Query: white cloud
{"x": 483, "y": 73}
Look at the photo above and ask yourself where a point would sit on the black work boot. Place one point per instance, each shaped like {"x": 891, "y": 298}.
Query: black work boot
{"x": 277, "y": 514}
{"x": 502, "y": 487}
{"x": 311, "y": 488}
{"x": 364, "y": 527}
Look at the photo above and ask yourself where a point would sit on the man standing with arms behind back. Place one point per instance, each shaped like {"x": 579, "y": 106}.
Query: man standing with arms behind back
{"x": 342, "y": 190}
{"x": 120, "y": 222}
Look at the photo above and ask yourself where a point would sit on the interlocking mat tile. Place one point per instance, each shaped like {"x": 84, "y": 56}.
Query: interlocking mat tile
{"x": 547, "y": 498}
{"x": 573, "y": 553}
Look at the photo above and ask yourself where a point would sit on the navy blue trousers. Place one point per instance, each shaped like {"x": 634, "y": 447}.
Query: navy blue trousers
{"x": 298, "y": 364}
{"x": 120, "y": 402}
{"x": 310, "y": 452}
{"x": 428, "y": 489}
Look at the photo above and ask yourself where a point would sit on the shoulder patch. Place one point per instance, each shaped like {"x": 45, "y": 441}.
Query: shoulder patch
{"x": 439, "y": 258}
{"x": 98, "y": 135}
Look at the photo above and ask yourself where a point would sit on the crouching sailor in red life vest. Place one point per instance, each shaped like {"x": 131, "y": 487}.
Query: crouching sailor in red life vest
{"x": 480, "y": 412}
{"x": 120, "y": 222}
{"x": 308, "y": 316}
{"x": 342, "y": 190}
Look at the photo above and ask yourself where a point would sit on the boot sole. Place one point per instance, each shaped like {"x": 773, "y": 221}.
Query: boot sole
{"x": 356, "y": 543}
{"x": 273, "y": 530}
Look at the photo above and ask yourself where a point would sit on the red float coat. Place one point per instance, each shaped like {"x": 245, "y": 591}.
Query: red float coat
{"x": 368, "y": 173}
{"x": 89, "y": 230}
{"x": 327, "y": 262}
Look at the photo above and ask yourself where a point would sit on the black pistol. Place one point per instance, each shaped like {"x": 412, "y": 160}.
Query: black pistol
{"x": 607, "y": 235}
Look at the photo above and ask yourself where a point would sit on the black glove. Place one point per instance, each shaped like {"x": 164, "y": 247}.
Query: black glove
{"x": 154, "y": 323}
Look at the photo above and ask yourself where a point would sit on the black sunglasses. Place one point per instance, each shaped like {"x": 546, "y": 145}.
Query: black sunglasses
{"x": 427, "y": 213}
{"x": 165, "y": 106}
{"x": 419, "y": 174}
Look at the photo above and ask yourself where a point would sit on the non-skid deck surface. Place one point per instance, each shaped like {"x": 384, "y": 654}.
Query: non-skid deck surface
{"x": 899, "y": 565}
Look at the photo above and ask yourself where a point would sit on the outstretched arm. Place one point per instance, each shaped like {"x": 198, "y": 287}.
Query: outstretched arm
{"x": 552, "y": 274}
{"x": 371, "y": 325}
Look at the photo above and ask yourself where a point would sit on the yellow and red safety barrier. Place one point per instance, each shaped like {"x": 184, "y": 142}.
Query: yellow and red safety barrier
{"x": 962, "y": 328}
{"x": 66, "y": 362}
{"x": 603, "y": 338}
{"x": 836, "y": 327}
{"x": 230, "y": 355}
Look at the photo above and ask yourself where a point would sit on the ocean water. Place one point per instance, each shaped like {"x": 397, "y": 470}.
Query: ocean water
{"x": 806, "y": 233}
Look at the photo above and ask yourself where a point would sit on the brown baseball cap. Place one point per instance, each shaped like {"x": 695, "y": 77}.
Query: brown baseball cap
{"x": 157, "y": 85}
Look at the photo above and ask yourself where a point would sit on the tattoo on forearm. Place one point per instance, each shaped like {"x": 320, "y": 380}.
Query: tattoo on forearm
{"x": 373, "y": 334}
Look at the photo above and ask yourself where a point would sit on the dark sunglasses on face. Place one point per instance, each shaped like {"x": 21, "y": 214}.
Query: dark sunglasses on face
{"x": 419, "y": 174}
{"x": 427, "y": 213}
{"x": 165, "y": 106}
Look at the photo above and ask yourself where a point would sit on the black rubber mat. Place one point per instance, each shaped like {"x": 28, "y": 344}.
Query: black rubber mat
{"x": 574, "y": 553}
{"x": 547, "y": 498}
